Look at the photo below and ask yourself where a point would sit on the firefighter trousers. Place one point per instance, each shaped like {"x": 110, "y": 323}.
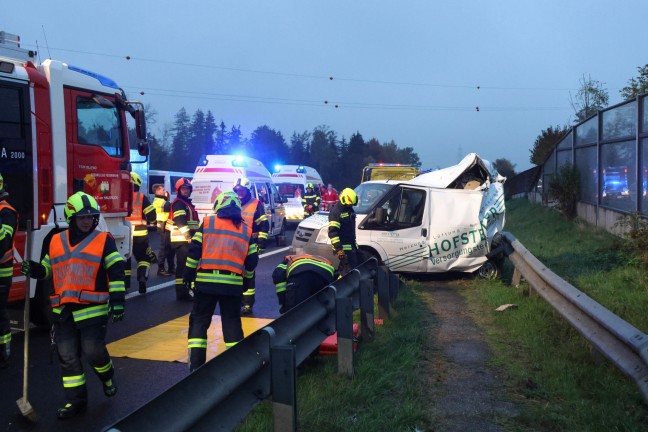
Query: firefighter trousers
{"x": 166, "y": 254}
{"x": 5, "y": 328}
{"x": 143, "y": 258}
{"x": 249, "y": 281}
{"x": 302, "y": 286}
{"x": 71, "y": 343}
{"x": 204, "y": 306}
{"x": 181, "y": 251}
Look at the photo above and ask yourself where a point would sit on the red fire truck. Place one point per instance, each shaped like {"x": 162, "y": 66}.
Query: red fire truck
{"x": 62, "y": 129}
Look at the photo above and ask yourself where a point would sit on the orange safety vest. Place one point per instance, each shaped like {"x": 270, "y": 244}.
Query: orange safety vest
{"x": 224, "y": 246}
{"x": 75, "y": 269}
{"x": 247, "y": 212}
{"x": 137, "y": 218}
{"x": 192, "y": 222}
{"x": 8, "y": 255}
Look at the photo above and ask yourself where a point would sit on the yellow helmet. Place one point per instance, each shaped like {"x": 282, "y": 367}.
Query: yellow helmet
{"x": 225, "y": 199}
{"x": 348, "y": 197}
{"x": 310, "y": 186}
{"x": 242, "y": 182}
{"x": 136, "y": 179}
{"x": 81, "y": 204}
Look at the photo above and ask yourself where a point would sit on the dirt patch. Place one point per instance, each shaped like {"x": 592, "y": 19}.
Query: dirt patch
{"x": 466, "y": 393}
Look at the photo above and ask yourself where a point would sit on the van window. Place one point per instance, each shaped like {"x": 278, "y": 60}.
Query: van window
{"x": 289, "y": 190}
{"x": 262, "y": 192}
{"x": 274, "y": 194}
{"x": 403, "y": 208}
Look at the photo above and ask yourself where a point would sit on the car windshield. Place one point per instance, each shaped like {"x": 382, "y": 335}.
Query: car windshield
{"x": 369, "y": 194}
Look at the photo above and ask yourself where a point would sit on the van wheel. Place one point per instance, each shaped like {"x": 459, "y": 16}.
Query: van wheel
{"x": 369, "y": 253}
{"x": 281, "y": 237}
{"x": 489, "y": 270}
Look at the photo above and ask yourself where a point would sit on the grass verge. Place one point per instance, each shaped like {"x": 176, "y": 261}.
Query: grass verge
{"x": 551, "y": 368}
{"x": 388, "y": 390}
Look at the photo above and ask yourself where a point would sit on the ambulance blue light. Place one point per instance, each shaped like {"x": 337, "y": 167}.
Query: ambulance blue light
{"x": 277, "y": 168}
{"x": 105, "y": 81}
{"x": 239, "y": 161}
{"x": 301, "y": 169}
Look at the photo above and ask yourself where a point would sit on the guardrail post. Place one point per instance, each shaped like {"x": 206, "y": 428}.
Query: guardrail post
{"x": 382, "y": 282}
{"x": 517, "y": 278}
{"x": 344, "y": 324}
{"x": 394, "y": 286}
{"x": 284, "y": 390}
{"x": 367, "y": 310}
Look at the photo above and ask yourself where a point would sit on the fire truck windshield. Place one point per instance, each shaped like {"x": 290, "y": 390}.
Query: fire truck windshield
{"x": 99, "y": 125}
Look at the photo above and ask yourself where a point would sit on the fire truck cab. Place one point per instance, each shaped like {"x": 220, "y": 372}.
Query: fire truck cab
{"x": 62, "y": 130}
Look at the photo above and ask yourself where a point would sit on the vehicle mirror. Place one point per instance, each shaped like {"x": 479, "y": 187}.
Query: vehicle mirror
{"x": 140, "y": 125}
{"x": 143, "y": 148}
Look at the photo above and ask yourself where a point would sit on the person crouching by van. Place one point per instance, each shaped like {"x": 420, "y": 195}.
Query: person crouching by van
{"x": 142, "y": 215}
{"x": 182, "y": 224}
{"x": 218, "y": 258}
{"x": 342, "y": 231}
{"x": 253, "y": 212}
{"x": 298, "y": 277}
{"x": 87, "y": 271}
{"x": 310, "y": 201}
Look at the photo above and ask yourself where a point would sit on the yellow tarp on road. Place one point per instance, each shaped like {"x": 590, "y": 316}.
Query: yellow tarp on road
{"x": 168, "y": 341}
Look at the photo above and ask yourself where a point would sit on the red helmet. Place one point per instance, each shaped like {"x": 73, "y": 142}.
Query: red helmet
{"x": 183, "y": 182}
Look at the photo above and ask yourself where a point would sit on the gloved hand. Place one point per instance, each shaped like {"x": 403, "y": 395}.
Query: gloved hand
{"x": 189, "y": 275}
{"x": 117, "y": 312}
{"x": 151, "y": 255}
{"x": 340, "y": 254}
{"x": 261, "y": 245}
{"x": 31, "y": 268}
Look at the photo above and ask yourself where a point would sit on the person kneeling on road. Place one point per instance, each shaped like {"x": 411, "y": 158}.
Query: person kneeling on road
{"x": 300, "y": 276}
{"x": 88, "y": 276}
{"x": 217, "y": 260}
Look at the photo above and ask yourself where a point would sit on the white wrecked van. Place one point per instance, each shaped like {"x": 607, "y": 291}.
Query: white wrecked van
{"x": 445, "y": 220}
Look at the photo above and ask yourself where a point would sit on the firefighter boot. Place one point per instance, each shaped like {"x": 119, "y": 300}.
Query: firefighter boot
{"x": 142, "y": 287}
{"x": 109, "y": 388}
{"x": 70, "y": 410}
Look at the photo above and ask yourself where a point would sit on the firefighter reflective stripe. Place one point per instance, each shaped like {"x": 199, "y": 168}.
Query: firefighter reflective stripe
{"x": 216, "y": 277}
{"x": 116, "y": 286}
{"x": 111, "y": 259}
{"x": 249, "y": 274}
{"x": 74, "y": 381}
{"x": 224, "y": 246}
{"x": 7, "y": 230}
{"x": 104, "y": 369}
{"x": 90, "y": 312}
{"x": 197, "y": 343}
{"x": 5, "y": 338}
{"x": 281, "y": 286}
{"x": 75, "y": 269}
{"x": 230, "y": 344}
{"x": 6, "y": 272}
{"x": 254, "y": 248}
{"x": 178, "y": 233}
{"x": 296, "y": 260}
{"x": 137, "y": 215}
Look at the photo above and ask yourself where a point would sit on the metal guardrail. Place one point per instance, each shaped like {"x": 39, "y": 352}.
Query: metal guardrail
{"x": 222, "y": 392}
{"x": 619, "y": 341}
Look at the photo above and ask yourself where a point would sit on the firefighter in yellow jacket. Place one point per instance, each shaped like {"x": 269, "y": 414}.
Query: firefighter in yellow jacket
{"x": 254, "y": 216}
{"x": 142, "y": 215}
{"x": 298, "y": 277}
{"x": 182, "y": 223}
{"x": 88, "y": 276}
{"x": 8, "y": 226}
{"x": 218, "y": 258}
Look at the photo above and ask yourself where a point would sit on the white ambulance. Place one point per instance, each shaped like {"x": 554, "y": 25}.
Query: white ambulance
{"x": 218, "y": 173}
{"x": 291, "y": 181}
{"x": 445, "y": 220}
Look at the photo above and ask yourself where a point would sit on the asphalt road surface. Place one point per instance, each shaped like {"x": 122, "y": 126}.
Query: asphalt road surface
{"x": 138, "y": 381}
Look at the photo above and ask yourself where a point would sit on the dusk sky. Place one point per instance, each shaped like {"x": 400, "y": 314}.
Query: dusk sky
{"x": 409, "y": 71}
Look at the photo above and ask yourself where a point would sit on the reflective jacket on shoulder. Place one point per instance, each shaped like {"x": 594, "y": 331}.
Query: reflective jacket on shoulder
{"x": 75, "y": 269}
{"x": 8, "y": 230}
{"x": 186, "y": 211}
